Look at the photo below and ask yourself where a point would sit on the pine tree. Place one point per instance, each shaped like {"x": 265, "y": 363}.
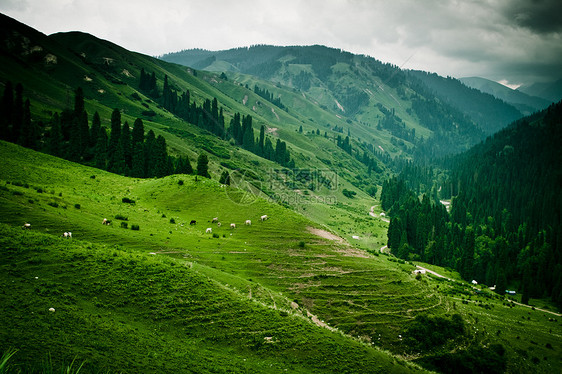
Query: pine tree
{"x": 7, "y": 111}
{"x": 83, "y": 132}
{"x": 137, "y": 135}
{"x": 95, "y": 129}
{"x": 247, "y": 133}
{"x": 55, "y": 138}
{"x": 161, "y": 157}
{"x": 203, "y": 165}
{"x": 261, "y": 142}
{"x": 100, "y": 154}
{"x": 149, "y": 154}
{"x": 137, "y": 161}
{"x": 27, "y": 136}
{"x": 127, "y": 146}
{"x": 17, "y": 114}
{"x": 225, "y": 178}
{"x": 114, "y": 138}
{"x": 268, "y": 151}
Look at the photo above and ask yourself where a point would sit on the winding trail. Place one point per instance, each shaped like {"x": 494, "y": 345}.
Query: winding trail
{"x": 372, "y": 214}
{"x": 515, "y": 302}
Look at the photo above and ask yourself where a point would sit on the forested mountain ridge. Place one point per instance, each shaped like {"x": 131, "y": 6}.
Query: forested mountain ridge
{"x": 525, "y": 103}
{"x": 490, "y": 112}
{"x": 505, "y": 224}
{"x": 364, "y": 90}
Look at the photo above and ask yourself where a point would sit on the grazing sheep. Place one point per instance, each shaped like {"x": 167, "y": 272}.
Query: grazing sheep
{"x": 193, "y": 222}
{"x": 232, "y": 225}
{"x": 104, "y": 222}
{"x": 26, "y": 226}
{"x": 209, "y": 230}
{"x": 248, "y": 222}
{"x": 216, "y": 219}
{"x": 52, "y": 310}
{"x": 219, "y": 224}
{"x": 264, "y": 217}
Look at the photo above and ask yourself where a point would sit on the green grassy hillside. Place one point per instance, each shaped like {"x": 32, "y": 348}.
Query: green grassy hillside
{"x": 167, "y": 296}
{"x": 170, "y": 284}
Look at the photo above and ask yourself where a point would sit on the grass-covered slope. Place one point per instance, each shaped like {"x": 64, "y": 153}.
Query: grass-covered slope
{"x": 166, "y": 297}
{"x": 170, "y": 294}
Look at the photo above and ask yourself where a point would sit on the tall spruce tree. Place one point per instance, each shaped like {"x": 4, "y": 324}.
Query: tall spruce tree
{"x": 261, "y": 142}
{"x": 114, "y": 138}
{"x": 127, "y": 146}
{"x": 100, "y": 151}
{"x": 7, "y": 111}
{"x": 203, "y": 165}
{"x": 149, "y": 154}
{"x": 95, "y": 129}
{"x": 17, "y": 114}
{"x": 55, "y": 138}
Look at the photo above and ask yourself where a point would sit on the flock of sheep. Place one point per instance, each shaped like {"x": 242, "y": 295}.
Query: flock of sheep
{"x": 209, "y": 230}
{"x": 66, "y": 234}
{"x": 248, "y": 222}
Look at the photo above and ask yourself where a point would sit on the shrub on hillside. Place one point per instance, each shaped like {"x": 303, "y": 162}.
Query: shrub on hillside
{"x": 491, "y": 359}
{"x": 124, "y": 225}
{"x": 135, "y": 227}
{"x": 426, "y": 332}
{"x": 126, "y": 200}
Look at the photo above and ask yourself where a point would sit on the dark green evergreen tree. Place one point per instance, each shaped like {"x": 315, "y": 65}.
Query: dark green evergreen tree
{"x": 55, "y": 138}
{"x": 261, "y": 142}
{"x": 225, "y": 178}
{"x": 127, "y": 146}
{"x": 100, "y": 153}
{"x": 7, "y": 111}
{"x": 203, "y": 165}
{"x": 95, "y": 129}
{"x": 150, "y": 155}
{"x": 114, "y": 137}
{"x": 17, "y": 114}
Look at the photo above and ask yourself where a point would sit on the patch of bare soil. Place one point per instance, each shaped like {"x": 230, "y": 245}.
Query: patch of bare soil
{"x": 353, "y": 252}
{"x": 325, "y": 234}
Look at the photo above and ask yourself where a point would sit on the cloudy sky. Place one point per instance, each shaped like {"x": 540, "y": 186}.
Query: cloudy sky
{"x": 511, "y": 41}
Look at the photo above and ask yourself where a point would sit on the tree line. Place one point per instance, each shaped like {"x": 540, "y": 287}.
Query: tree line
{"x": 120, "y": 149}
{"x": 505, "y": 223}
{"x": 211, "y": 118}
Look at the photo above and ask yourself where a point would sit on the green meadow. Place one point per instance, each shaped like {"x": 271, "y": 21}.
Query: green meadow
{"x": 267, "y": 297}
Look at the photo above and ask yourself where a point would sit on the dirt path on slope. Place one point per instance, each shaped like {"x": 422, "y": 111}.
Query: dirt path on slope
{"x": 515, "y": 302}
{"x": 373, "y": 214}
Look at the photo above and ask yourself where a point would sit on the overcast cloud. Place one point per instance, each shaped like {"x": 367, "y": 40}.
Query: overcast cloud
{"x": 517, "y": 41}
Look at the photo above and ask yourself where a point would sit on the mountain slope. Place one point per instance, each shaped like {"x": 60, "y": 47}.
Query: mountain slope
{"x": 526, "y": 104}
{"x": 110, "y": 75}
{"x": 166, "y": 287}
{"x": 551, "y": 91}
{"x": 361, "y": 90}
{"x": 492, "y": 114}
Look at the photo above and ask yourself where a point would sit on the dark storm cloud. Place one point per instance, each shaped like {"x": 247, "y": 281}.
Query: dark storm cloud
{"x": 540, "y": 16}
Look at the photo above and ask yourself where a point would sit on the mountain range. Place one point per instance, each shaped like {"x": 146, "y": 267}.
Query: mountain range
{"x": 298, "y": 276}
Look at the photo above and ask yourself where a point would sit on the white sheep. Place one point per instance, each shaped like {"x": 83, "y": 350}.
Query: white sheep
{"x": 264, "y": 217}
{"x": 52, "y": 310}
{"x": 219, "y": 224}
{"x": 232, "y": 225}
{"x": 209, "y": 230}
{"x": 216, "y": 219}
{"x": 26, "y": 226}
{"x": 248, "y": 222}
